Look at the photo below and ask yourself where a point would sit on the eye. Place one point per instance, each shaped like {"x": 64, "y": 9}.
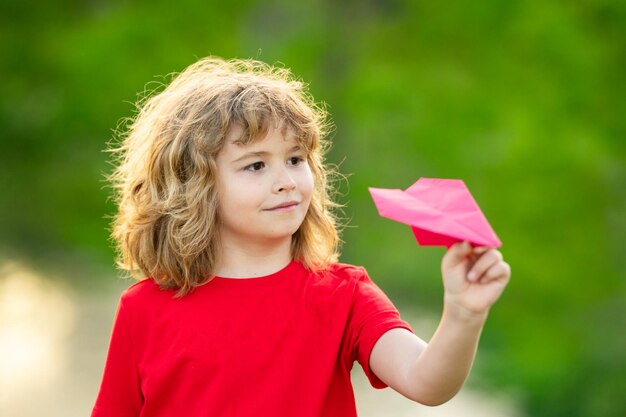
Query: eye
{"x": 295, "y": 160}
{"x": 257, "y": 166}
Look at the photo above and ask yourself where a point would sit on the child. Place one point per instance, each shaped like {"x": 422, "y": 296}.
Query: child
{"x": 224, "y": 207}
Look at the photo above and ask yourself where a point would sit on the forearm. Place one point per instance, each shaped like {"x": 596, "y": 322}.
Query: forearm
{"x": 442, "y": 368}
{"x": 433, "y": 373}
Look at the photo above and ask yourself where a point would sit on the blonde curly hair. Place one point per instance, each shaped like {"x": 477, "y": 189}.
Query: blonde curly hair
{"x": 167, "y": 223}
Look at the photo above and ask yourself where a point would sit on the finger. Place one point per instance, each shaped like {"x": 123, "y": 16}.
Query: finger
{"x": 500, "y": 271}
{"x": 483, "y": 263}
{"x": 479, "y": 250}
{"x": 459, "y": 251}
{"x": 457, "y": 254}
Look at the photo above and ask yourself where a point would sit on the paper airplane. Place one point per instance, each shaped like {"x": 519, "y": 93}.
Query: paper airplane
{"x": 441, "y": 212}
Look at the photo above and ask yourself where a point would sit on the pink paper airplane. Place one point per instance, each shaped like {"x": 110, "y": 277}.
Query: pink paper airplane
{"x": 441, "y": 212}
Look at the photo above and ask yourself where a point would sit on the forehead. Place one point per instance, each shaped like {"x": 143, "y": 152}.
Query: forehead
{"x": 237, "y": 142}
{"x": 275, "y": 140}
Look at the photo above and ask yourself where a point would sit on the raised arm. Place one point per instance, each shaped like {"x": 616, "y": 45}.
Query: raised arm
{"x": 433, "y": 373}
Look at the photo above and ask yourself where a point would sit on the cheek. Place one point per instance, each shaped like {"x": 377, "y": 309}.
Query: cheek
{"x": 305, "y": 178}
{"x": 239, "y": 197}
{"x": 307, "y": 183}
{"x": 234, "y": 199}
{"x": 227, "y": 197}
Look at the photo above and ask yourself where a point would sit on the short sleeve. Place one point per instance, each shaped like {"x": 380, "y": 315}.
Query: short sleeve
{"x": 120, "y": 390}
{"x": 372, "y": 314}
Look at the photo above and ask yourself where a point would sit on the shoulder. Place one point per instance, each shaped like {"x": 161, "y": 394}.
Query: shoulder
{"x": 347, "y": 271}
{"x": 341, "y": 273}
{"x": 140, "y": 287}
{"x": 357, "y": 280}
{"x": 143, "y": 301}
{"x": 146, "y": 290}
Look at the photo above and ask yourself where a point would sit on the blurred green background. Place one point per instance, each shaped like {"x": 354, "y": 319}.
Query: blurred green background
{"x": 522, "y": 100}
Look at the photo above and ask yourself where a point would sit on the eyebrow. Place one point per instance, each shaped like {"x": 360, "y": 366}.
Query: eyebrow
{"x": 262, "y": 153}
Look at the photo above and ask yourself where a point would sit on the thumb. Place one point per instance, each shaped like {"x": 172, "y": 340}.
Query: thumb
{"x": 457, "y": 254}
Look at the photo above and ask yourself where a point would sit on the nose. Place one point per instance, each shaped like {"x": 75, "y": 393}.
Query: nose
{"x": 284, "y": 181}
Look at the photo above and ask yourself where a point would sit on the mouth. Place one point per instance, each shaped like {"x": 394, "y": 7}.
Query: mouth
{"x": 284, "y": 206}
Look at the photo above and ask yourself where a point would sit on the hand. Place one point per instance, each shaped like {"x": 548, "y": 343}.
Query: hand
{"x": 473, "y": 277}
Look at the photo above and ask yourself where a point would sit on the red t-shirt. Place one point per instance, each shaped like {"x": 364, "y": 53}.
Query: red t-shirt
{"x": 278, "y": 345}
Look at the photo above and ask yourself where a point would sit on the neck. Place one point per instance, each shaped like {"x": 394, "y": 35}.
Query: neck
{"x": 252, "y": 259}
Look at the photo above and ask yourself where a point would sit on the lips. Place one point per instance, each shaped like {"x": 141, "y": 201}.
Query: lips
{"x": 284, "y": 205}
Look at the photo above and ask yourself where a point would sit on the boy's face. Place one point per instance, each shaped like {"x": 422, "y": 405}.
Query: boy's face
{"x": 263, "y": 189}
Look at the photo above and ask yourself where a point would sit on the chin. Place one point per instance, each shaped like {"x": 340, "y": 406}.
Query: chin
{"x": 283, "y": 234}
